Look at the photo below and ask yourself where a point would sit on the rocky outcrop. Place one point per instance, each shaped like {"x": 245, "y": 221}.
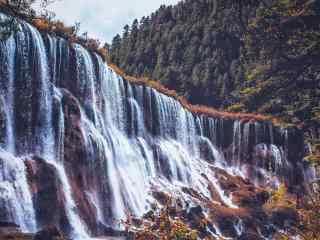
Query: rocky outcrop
{"x": 10, "y": 231}
{"x": 250, "y": 218}
{"x": 48, "y": 195}
{"x": 78, "y": 162}
{"x": 49, "y": 233}
{"x": 8, "y": 227}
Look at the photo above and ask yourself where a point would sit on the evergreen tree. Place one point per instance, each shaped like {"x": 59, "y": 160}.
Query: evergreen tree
{"x": 223, "y": 52}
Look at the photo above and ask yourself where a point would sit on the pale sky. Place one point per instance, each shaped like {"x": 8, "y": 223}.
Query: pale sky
{"x": 103, "y": 19}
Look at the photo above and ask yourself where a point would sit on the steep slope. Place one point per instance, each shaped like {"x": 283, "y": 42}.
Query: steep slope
{"x": 242, "y": 55}
{"x": 193, "y": 47}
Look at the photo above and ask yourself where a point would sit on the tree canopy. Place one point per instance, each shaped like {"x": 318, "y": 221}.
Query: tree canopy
{"x": 238, "y": 55}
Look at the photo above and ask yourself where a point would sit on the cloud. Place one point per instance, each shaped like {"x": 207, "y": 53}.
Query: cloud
{"x": 103, "y": 19}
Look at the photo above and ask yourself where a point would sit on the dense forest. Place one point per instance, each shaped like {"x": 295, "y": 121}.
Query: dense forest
{"x": 258, "y": 60}
{"x": 255, "y": 56}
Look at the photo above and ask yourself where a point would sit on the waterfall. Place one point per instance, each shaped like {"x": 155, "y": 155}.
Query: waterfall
{"x": 42, "y": 139}
{"x": 15, "y": 196}
{"x": 61, "y": 128}
{"x": 44, "y": 132}
{"x": 112, "y": 142}
{"x": 78, "y": 229}
{"x": 7, "y": 92}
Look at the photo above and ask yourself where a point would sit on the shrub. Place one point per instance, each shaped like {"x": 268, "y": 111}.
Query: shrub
{"x": 41, "y": 24}
{"x": 238, "y": 107}
{"x": 251, "y": 91}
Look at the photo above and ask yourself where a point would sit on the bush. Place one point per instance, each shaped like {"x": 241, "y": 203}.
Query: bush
{"x": 238, "y": 107}
{"x": 251, "y": 91}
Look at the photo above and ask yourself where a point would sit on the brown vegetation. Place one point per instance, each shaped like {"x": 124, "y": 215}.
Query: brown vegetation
{"x": 70, "y": 33}
{"x": 46, "y": 25}
{"x": 197, "y": 109}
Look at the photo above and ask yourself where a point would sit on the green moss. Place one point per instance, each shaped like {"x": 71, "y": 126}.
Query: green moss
{"x": 313, "y": 159}
{"x": 249, "y": 76}
{"x": 316, "y": 114}
{"x": 251, "y": 91}
{"x": 238, "y": 107}
{"x": 285, "y": 124}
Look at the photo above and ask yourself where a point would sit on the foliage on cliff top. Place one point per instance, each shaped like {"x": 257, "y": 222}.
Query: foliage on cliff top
{"x": 282, "y": 41}
{"x": 197, "y": 109}
{"x": 192, "y": 47}
{"x": 48, "y": 24}
{"x": 247, "y": 56}
{"x": 45, "y": 23}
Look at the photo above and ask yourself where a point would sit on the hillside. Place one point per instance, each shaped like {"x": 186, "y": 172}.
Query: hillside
{"x": 84, "y": 151}
{"x": 193, "y": 47}
{"x": 235, "y": 55}
{"x": 88, "y": 151}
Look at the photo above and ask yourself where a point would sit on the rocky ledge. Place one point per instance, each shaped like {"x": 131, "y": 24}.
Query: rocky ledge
{"x": 11, "y": 231}
{"x": 195, "y": 217}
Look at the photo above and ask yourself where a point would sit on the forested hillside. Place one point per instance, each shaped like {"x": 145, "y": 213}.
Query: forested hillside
{"x": 193, "y": 47}
{"x": 238, "y": 55}
{"x": 88, "y": 151}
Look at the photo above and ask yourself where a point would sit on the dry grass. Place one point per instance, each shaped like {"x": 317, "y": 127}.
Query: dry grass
{"x": 196, "y": 109}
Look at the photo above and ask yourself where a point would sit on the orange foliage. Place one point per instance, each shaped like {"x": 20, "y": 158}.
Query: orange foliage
{"x": 196, "y": 109}
{"x": 68, "y": 32}
{"x": 57, "y": 27}
{"x": 103, "y": 52}
{"x": 93, "y": 45}
{"x": 60, "y": 29}
{"x": 41, "y": 24}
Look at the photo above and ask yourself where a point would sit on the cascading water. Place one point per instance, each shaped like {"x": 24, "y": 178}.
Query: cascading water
{"x": 15, "y": 198}
{"x": 109, "y": 141}
{"x": 43, "y": 141}
{"x": 7, "y": 95}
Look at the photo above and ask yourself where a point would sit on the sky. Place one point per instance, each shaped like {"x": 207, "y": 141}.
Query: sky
{"x": 103, "y": 19}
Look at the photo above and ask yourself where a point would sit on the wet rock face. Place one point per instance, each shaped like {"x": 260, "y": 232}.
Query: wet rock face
{"x": 2, "y": 124}
{"x": 77, "y": 162}
{"x": 47, "y": 194}
{"x": 284, "y": 217}
{"x": 195, "y": 218}
{"x": 49, "y": 197}
{"x": 244, "y": 193}
{"x": 8, "y": 227}
{"x": 9, "y": 231}
{"x": 250, "y": 236}
{"x": 251, "y": 219}
{"x": 247, "y": 198}
{"x": 225, "y": 219}
{"x": 49, "y": 233}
